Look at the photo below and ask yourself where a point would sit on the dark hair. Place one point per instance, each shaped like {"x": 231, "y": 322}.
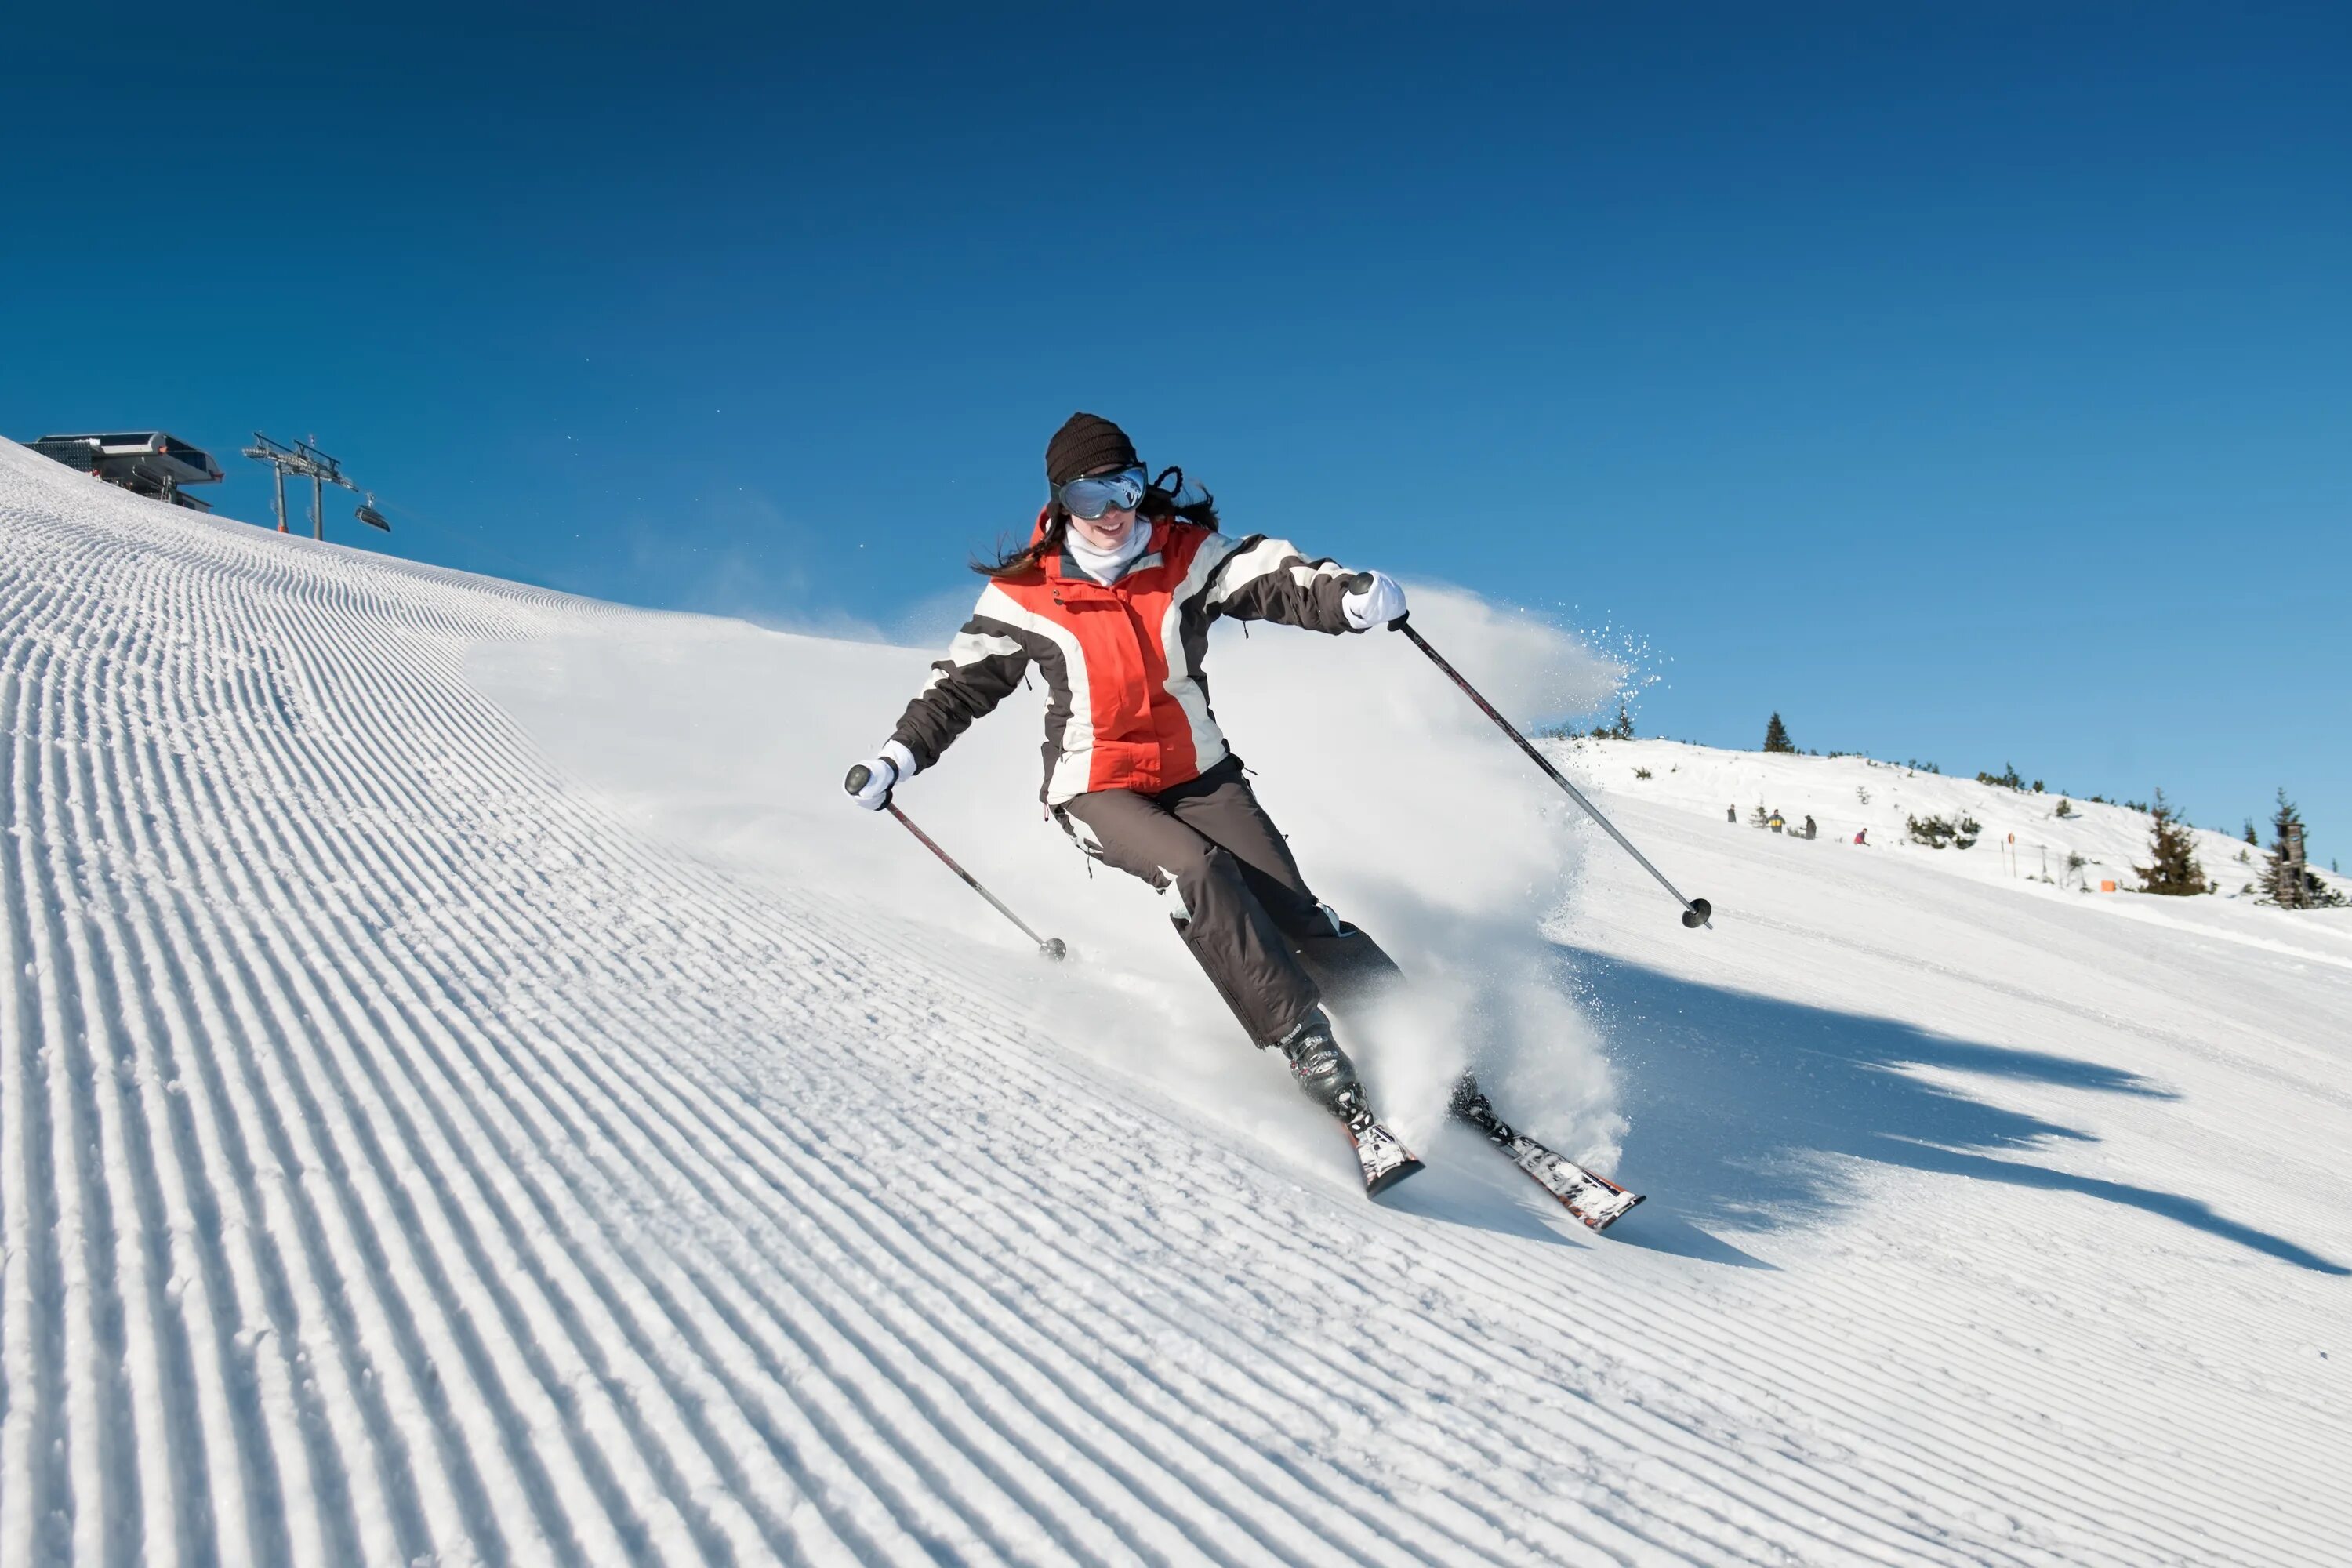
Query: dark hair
{"x": 1158, "y": 504}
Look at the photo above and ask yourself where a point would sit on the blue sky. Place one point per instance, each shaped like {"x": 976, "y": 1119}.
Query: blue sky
{"x": 1971, "y": 383}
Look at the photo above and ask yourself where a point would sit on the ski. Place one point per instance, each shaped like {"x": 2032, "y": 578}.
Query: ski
{"x": 1381, "y": 1153}
{"x": 1595, "y": 1200}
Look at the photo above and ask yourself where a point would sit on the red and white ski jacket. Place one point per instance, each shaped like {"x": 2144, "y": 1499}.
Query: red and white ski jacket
{"x": 1127, "y": 706}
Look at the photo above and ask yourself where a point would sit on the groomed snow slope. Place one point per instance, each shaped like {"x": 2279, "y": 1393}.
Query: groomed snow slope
{"x": 469, "y": 1093}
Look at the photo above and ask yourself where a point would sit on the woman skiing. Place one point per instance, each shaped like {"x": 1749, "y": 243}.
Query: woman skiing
{"x": 1111, "y": 602}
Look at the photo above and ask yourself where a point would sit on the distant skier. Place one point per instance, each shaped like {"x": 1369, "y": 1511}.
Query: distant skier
{"x": 1110, "y": 601}
{"x": 1731, "y": 815}
{"x": 1811, "y": 831}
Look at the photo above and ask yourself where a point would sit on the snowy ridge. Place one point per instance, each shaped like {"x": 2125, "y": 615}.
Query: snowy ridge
{"x": 405, "y": 1154}
{"x": 1849, "y": 794}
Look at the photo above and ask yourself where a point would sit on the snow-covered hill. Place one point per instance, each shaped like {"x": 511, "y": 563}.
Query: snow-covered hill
{"x": 2020, "y": 834}
{"x": 469, "y": 1092}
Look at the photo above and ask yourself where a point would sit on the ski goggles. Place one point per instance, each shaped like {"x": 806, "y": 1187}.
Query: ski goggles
{"x": 1090, "y": 498}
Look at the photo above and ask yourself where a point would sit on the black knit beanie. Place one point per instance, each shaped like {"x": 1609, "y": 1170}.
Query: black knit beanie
{"x": 1087, "y": 443}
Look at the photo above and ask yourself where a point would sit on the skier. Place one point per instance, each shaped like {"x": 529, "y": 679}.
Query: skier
{"x": 1110, "y": 601}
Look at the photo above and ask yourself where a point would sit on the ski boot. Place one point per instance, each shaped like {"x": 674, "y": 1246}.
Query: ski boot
{"x": 1328, "y": 1079}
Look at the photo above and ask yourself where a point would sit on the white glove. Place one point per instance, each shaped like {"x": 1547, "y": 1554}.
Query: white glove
{"x": 1376, "y": 605}
{"x": 884, "y": 773}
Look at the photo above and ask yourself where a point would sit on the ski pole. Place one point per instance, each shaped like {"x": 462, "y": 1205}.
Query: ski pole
{"x": 1051, "y": 946}
{"x": 1696, "y": 912}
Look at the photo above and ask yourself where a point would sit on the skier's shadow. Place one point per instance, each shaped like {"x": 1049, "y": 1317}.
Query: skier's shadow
{"x": 1736, "y": 1099}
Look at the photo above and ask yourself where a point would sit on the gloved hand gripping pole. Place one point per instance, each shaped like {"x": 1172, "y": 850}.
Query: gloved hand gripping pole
{"x": 1696, "y": 912}
{"x": 1051, "y": 946}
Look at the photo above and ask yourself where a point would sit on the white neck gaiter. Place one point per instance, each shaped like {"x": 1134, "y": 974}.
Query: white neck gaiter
{"x": 1106, "y": 566}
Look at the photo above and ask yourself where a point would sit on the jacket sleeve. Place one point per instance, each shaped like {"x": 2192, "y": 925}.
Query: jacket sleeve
{"x": 1263, "y": 579}
{"x": 983, "y": 664}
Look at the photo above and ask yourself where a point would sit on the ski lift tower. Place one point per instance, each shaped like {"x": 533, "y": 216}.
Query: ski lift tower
{"x": 304, "y": 459}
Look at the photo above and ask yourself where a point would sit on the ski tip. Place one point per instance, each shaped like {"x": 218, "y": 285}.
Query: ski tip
{"x": 1375, "y": 1185}
{"x": 1632, "y": 1202}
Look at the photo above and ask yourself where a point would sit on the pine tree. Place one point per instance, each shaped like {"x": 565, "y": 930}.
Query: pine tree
{"x": 2284, "y": 882}
{"x": 1623, "y": 729}
{"x": 1776, "y": 737}
{"x": 2290, "y": 882}
{"x": 2176, "y": 871}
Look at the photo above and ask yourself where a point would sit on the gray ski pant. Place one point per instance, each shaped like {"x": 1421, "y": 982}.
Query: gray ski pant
{"x": 1271, "y": 949}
